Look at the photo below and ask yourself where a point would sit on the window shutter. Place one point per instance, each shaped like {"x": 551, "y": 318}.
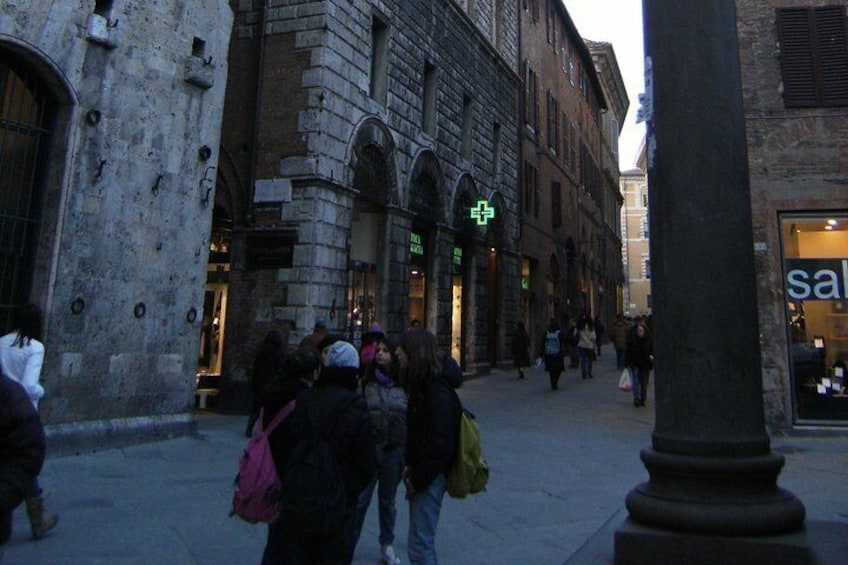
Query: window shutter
{"x": 832, "y": 45}
{"x": 556, "y": 205}
{"x": 814, "y": 56}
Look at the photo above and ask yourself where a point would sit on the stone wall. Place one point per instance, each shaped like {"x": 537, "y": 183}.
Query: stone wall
{"x": 138, "y": 94}
{"x": 315, "y": 108}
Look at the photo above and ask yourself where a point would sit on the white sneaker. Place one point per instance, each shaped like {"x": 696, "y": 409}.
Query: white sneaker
{"x": 387, "y": 555}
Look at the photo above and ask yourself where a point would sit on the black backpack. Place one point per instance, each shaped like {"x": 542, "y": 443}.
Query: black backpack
{"x": 313, "y": 497}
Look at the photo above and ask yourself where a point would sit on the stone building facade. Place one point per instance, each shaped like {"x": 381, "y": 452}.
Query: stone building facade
{"x": 636, "y": 253}
{"x": 562, "y": 220}
{"x": 110, "y": 130}
{"x": 365, "y": 145}
{"x": 794, "y": 60}
{"x": 611, "y": 282}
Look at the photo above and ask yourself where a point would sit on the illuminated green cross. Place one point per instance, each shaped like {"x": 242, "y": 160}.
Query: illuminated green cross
{"x": 482, "y": 213}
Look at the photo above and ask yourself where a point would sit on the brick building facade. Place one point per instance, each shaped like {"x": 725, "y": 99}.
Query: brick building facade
{"x": 794, "y": 60}
{"x": 561, "y": 170}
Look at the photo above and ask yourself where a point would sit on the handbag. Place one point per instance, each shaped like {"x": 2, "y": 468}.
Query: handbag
{"x": 625, "y": 383}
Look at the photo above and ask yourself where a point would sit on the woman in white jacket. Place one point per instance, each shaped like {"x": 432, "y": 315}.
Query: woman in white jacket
{"x": 21, "y": 359}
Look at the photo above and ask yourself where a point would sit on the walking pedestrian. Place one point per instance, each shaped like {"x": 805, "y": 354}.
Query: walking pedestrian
{"x": 433, "y": 417}
{"x": 21, "y": 359}
{"x": 586, "y": 345}
{"x": 620, "y": 330}
{"x": 387, "y": 404}
{"x": 22, "y": 440}
{"x": 553, "y": 350}
{"x": 521, "y": 348}
{"x": 640, "y": 360}
{"x": 599, "y": 334}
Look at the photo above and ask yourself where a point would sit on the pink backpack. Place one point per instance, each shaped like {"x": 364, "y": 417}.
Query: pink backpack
{"x": 257, "y": 485}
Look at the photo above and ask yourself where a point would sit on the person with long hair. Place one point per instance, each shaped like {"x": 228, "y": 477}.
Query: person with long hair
{"x": 266, "y": 365}
{"x": 429, "y": 376}
{"x": 21, "y": 359}
{"x": 387, "y": 403}
{"x": 586, "y": 345}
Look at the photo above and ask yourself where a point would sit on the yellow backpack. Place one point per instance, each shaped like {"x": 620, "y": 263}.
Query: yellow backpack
{"x": 469, "y": 472}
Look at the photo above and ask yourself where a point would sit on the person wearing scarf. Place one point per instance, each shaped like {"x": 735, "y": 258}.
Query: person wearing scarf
{"x": 387, "y": 403}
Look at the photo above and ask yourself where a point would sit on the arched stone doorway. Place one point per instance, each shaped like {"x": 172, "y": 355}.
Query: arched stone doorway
{"x": 463, "y": 297}
{"x": 425, "y": 203}
{"x": 34, "y": 119}
{"x": 374, "y": 184}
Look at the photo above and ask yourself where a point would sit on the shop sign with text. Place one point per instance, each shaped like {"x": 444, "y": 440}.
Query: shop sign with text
{"x": 817, "y": 279}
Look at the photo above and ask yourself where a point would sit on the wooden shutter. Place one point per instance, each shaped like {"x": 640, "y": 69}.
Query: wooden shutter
{"x": 832, "y": 46}
{"x": 814, "y": 56}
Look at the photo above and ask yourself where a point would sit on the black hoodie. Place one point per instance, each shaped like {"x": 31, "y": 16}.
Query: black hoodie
{"x": 433, "y": 416}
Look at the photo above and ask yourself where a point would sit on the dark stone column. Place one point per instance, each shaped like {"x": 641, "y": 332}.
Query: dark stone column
{"x": 711, "y": 469}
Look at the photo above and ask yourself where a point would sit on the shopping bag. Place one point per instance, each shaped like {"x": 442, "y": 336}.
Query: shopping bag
{"x": 625, "y": 383}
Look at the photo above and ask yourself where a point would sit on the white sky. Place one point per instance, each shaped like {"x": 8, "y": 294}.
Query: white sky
{"x": 618, "y": 22}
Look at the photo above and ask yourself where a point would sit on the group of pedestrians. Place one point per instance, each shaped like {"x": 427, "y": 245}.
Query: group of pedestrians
{"x": 22, "y": 440}
{"x": 391, "y": 416}
{"x": 632, "y": 341}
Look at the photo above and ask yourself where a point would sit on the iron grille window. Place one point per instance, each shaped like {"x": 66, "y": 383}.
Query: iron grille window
{"x": 371, "y": 177}
{"x": 424, "y": 198}
{"x": 26, "y": 113}
{"x": 814, "y": 56}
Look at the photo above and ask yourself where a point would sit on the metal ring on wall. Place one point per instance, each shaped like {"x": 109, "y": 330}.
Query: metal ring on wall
{"x": 78, "y": 305}
{"x": 139, "y": 310}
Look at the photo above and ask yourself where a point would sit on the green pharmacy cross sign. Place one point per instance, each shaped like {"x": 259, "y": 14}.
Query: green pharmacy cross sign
{"x": 482, "y": 213}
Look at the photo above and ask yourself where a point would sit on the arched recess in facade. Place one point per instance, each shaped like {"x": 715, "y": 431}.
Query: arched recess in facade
{"x": 36, "y": 117}
{"x": 571, "y": 279}
{"x": 464, "y": 275}
{"x": 373, "y": 178}
{"x": 216, "y": 294}
{"x": 554, "y": 280}
{"x": 426, "y": 202}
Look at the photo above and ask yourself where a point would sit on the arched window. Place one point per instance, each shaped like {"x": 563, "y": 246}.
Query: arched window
{"x": 371, "y": 177}
{"x": 26, "y": 118}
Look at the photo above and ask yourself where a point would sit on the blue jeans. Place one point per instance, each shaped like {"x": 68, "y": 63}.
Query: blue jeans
{"x": 619, "y": 358}
{"x": 424, "y": 508}
{"x": 640, "y": 383}
{"x": 389, "y": 469}
{"x": 585, "y": 361}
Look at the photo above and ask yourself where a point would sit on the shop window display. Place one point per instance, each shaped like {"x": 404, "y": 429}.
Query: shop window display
{"x": 815, "y": 265}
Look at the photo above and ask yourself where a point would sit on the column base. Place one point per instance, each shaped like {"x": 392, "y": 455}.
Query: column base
{"x": 733, "y": 496}
{"x": 637, "y": 544}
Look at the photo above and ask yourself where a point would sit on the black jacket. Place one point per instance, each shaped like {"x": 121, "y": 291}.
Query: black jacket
{"x": 639, "y": 351}
{"x": 352, "y": 440}
{"x": 433, "y": 416}
{"x": 22, "y": 445}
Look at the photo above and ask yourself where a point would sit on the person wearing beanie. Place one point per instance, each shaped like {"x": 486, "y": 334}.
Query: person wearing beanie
{"x": 369, "y": 346}
{"x": 332, "y": 402}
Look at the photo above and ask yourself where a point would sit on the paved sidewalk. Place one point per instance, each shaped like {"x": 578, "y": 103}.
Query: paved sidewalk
{"x": 561, "y": 465}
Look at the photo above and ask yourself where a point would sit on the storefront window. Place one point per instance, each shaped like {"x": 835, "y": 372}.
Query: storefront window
{"x": 815, "y": 257}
